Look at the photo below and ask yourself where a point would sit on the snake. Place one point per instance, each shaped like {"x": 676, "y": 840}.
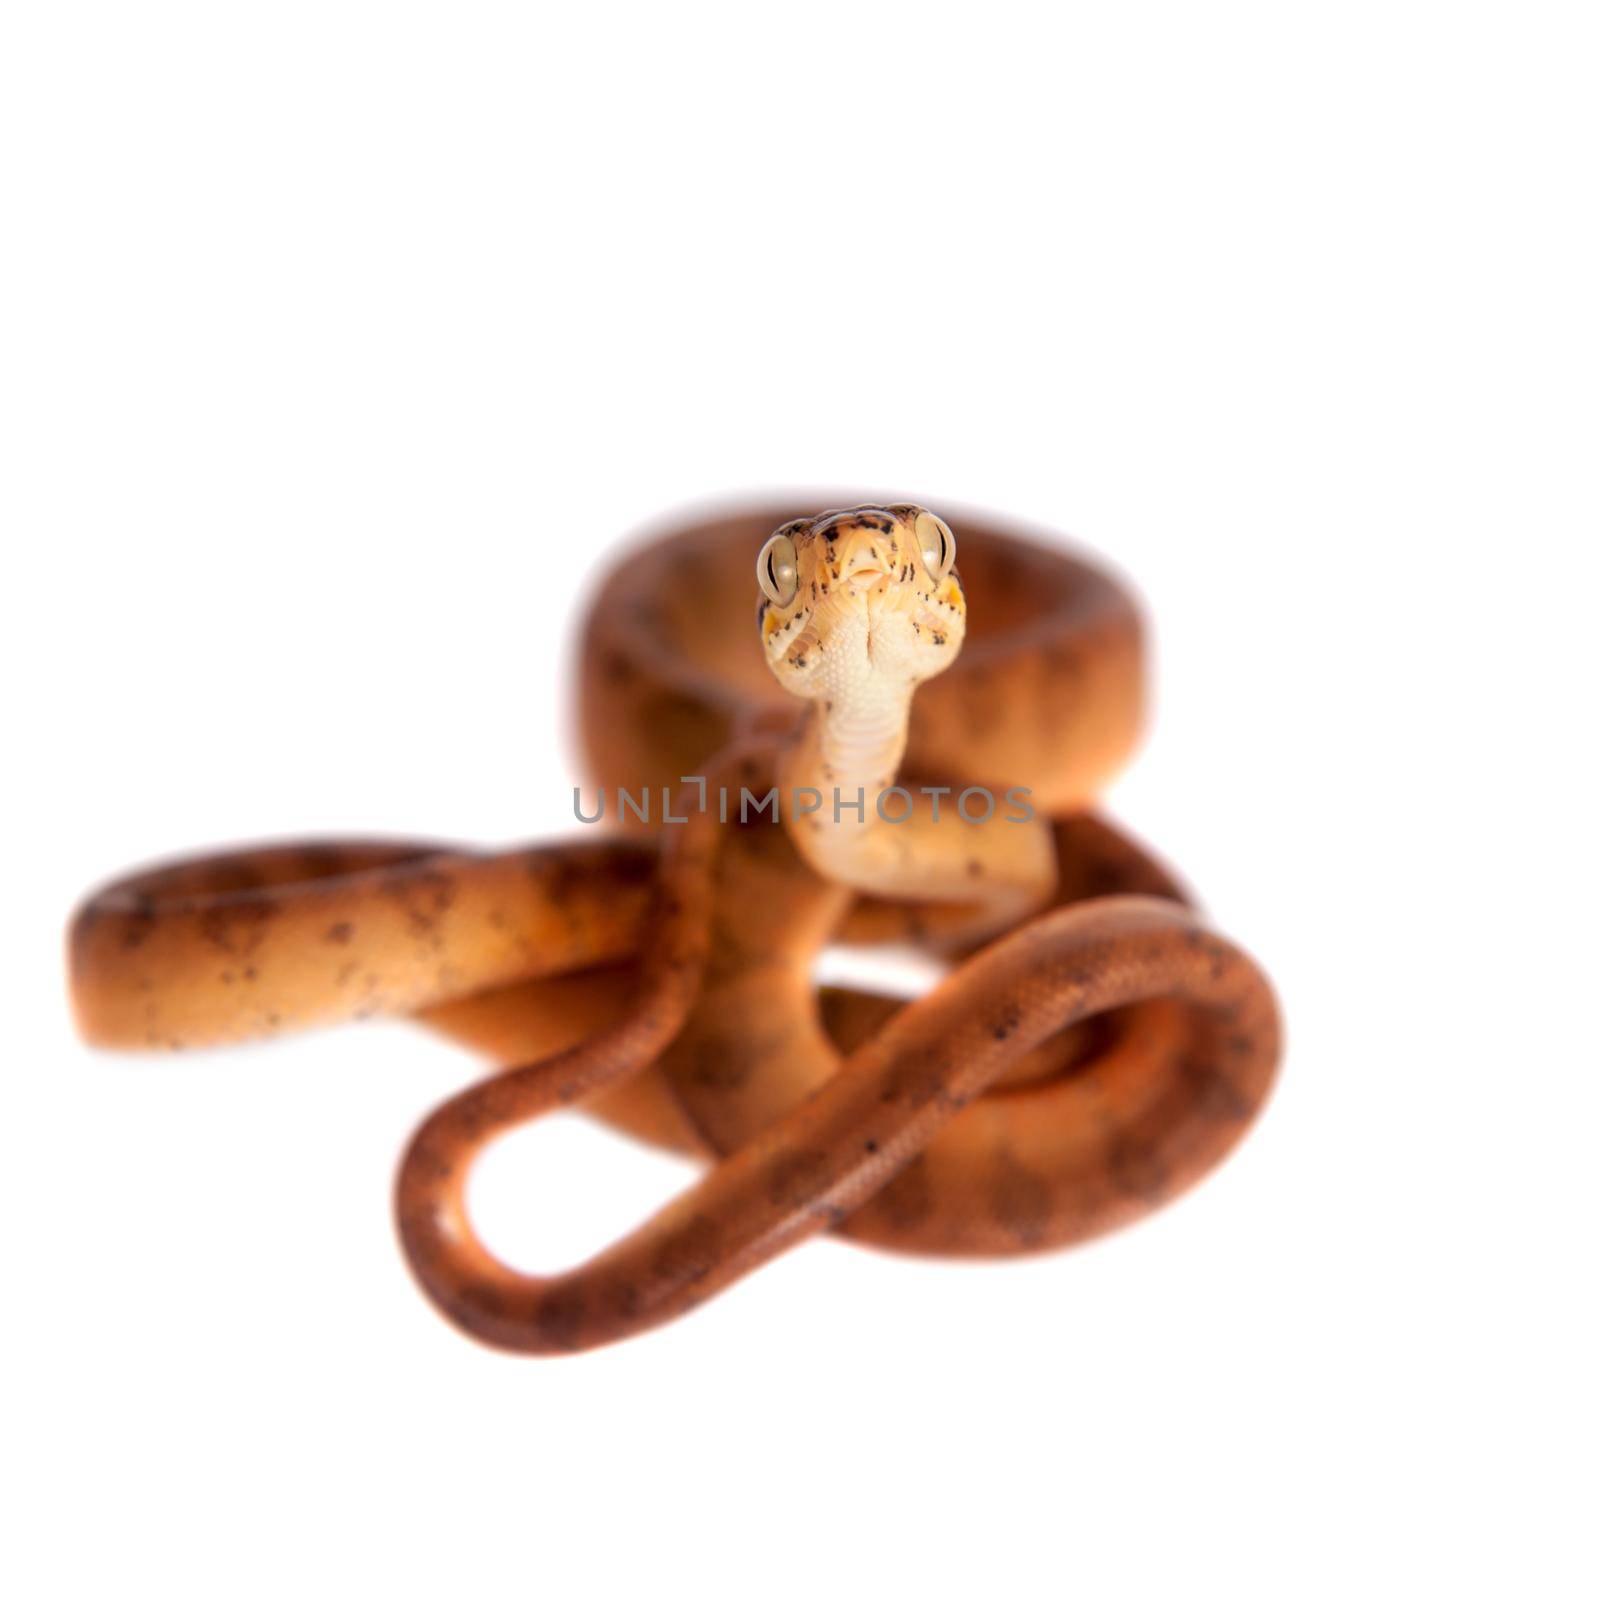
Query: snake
{"x": 868, "y": 764}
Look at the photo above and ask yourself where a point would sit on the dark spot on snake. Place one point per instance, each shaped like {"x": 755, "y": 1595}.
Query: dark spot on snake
{"x": 1063, "y": 661}
{"x": 686, "y": 1255}
{"x": 916, "y": 1079}
{"x": 141, "y": 922}
{"x": 431, "y": 1166}
{"x": 1020, "y": 1200}
{"x": 630, "y": 868}
{"x": 793, "y": 1175}
{"x": 560, "y": 877}
{"x": 722, "y": 1068}
{"x": 340, "y": 933}
{"x": 325, "y": 860}
{"x": 423, "y": 897}
{"x": 1137, "y": 1170}
{"x": 907, "y": 1202}
{"x": 559, "y": 1317}
{"x": 237, "y": 927}
{"x": 1215, "y": 1094}
{"x": 483, "y": 1299}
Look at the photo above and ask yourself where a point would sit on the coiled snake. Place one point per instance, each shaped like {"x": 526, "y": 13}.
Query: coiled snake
{"x": 1100, "y": 1051}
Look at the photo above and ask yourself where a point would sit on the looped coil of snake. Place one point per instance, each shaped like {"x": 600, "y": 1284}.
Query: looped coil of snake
{"x": 1093, "y": 1049}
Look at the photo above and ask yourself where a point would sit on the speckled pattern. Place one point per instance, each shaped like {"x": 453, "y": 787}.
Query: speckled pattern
{"x": 1098, "y": 1057}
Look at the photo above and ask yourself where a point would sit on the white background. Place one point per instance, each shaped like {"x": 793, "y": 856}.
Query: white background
{"x": 339, "y": 345}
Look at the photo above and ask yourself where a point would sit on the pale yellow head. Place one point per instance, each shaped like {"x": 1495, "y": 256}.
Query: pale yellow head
{"x": 860, "y": 602}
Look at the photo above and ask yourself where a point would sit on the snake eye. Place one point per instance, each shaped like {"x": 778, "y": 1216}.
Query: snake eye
{"x": 778, "y": 570}
{"x": 937, "y": 543}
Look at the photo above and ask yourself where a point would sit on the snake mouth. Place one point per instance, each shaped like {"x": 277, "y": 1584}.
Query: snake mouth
{"x": 867, "y": 580}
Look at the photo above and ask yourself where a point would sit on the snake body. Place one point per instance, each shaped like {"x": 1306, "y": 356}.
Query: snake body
{"x": 1096, "y": 1058}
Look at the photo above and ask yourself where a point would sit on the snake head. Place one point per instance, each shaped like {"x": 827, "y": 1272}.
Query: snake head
{"x": 856, "y": 602}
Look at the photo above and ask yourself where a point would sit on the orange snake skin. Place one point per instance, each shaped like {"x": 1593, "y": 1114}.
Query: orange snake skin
{"x": 1093, "y": 1049}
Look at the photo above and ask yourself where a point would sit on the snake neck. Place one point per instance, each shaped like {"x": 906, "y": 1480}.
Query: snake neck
{"x": 862, "y": 746}
{"x": 849, "y": 751}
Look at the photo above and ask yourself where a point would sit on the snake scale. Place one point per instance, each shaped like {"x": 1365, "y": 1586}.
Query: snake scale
{"x": 1093, "y": 1047}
